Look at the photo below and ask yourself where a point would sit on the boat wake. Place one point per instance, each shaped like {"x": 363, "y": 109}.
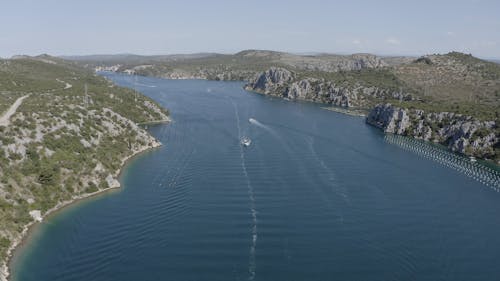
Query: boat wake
{"x": 253, "y": 211}
{"x": 145, "y": 85}
{"x": 265, "y": 127}
{"x": 339, "y": 189}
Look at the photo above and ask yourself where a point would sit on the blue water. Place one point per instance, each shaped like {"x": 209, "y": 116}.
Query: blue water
{"x": 317, "y": 196}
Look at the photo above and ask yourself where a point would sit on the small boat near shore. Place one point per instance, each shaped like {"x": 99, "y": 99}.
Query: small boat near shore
{"x": 246, "y": 141}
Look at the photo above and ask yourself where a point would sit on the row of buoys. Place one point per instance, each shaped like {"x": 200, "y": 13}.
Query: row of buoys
{"x": 472, "y": 169}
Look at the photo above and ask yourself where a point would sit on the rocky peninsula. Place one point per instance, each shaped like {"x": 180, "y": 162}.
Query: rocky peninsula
{"x": 59, "y": 144}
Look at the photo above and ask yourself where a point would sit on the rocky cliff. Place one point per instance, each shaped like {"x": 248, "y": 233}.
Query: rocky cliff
{"x": 284, "y": 83}
{"x": 205, "y": 73}
{"x": 245, "y": 65}
{"x": 333, "y": 63}
{"x": 460, "y": 133}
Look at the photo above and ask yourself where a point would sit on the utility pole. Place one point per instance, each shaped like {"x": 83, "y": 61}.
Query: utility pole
{"x": 135, "y": 88}
{"x": 86, "y": 97}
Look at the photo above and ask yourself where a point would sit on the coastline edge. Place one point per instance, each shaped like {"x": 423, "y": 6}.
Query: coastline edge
{"x": 5, "y": 273}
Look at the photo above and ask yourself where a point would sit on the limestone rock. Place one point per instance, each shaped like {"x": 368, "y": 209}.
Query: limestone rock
{"x": 460, "y": 133}
{"x": 284, "y": 83}
{"x": 36, "y": 215}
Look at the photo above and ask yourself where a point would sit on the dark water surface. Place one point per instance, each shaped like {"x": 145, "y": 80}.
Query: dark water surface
{"x": 317, "y": 196}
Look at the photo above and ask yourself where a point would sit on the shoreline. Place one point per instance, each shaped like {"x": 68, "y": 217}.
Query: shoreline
{"x": 356, "y": 112}
{"x": 5, "y": 270}
{"x": 155, "y": 122}
{"x": 346, "y": 111}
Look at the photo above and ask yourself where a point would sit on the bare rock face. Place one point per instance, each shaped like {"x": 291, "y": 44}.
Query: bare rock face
{"x": 361, "y": 61}
{"x": 317, "y": 90}
{"x": 460, "y": 133}
{"x": 283, "y": 83}
{"x": 270, "y": 80}
{"x": 334, "y": 63}
{"x": 389, "y": 118}
{"x": 280, "y": 82}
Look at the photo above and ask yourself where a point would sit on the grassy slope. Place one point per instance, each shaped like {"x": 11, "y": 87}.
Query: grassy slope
{"x": 43, "y": 159}
{"x": 454, "y": 82}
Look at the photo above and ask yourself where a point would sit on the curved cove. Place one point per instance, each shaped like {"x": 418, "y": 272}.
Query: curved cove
{"x": 317, "y": 196}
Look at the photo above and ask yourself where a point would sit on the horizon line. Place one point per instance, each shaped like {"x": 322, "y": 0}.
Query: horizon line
{"x": 304, "y": 53}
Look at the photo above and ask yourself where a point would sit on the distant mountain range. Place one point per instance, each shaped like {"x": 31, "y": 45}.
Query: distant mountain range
{"x": 110, "y": 58}
{"x": 315, "y": 61}
{"x": 131, "y": 58}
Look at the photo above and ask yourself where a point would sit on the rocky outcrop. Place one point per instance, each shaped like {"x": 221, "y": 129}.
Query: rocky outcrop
{"x": 334, "y": 63}
{"x": 284, "y": 83}
{"x": 458, "y": 132}
{"x": 321, "y": 91}
{"x": 242, "y": 66}
{"x": 222, "y": 73}
{"x": 270, "y": 81}
{"x": 390, "y": 119}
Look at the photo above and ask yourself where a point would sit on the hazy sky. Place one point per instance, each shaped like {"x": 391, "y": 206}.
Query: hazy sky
{"x": 70, "y": 27}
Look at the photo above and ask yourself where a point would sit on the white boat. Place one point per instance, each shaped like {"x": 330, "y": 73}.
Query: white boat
{"x": 246, "y": 141}
{"x": 472, "y": 159}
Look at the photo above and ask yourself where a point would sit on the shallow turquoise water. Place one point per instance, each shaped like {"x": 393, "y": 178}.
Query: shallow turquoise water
{"x": 317, "y": 196}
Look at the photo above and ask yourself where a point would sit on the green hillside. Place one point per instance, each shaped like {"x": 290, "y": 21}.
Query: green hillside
{"x": 63, "y": 142}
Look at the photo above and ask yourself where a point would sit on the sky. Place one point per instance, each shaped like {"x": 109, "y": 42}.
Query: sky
{"x": 147, "y": 27}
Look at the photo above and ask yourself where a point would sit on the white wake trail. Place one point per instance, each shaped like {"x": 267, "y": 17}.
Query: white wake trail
{"x": 253, "y": 211}
{"x": 339, "y": 189}
{"x": 265, "y": 127}
{"x": 146, "y": 85}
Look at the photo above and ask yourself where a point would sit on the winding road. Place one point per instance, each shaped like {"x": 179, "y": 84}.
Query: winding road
{"x": 4, "y": 119}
